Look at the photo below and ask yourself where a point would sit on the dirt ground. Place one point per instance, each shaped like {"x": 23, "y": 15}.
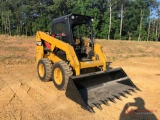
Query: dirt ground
{"x": 24, "y": 97}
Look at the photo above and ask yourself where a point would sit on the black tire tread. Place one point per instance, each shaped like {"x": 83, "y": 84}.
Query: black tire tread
{"x": 48, "y": 66}
{"x": 68, "y": 72}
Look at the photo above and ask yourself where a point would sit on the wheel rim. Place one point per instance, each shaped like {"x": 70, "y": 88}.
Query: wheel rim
{"x": 41, "y": 70}
{"x": 58, "y": 76}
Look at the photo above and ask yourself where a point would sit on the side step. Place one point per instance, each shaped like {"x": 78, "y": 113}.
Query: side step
{"x": 93, "y": 89}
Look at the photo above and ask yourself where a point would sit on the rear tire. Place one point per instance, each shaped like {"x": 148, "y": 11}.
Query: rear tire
{"x": 44, "y": 69}
{"x": 60, "y": 75}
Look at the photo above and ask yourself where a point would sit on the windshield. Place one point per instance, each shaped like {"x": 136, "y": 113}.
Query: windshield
{"x": 82, "y": 31}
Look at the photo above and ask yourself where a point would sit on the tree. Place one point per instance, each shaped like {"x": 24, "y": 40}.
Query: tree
{"x": 121, "y": 3}
{"x": 113, "y": 19}
{"x": 111, "y": 3}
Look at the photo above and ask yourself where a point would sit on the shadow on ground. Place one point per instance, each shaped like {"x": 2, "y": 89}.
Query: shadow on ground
{"x": 137, "y": 111}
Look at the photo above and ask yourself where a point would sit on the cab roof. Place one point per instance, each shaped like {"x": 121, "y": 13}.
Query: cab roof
{"x": 76, "y": 16}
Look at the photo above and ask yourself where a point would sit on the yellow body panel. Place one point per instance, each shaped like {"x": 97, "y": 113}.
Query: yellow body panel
{"x": 89, "y": 64}
{"x": 70, "y": 53}
{"x": 98, "y": 50}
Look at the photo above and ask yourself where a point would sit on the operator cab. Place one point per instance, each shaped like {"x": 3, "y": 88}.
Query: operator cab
{"x": 77, "y": 31}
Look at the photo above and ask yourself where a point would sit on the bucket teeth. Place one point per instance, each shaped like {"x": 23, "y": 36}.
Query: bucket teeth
{"x": 98, "y": 106}
{"x": 90, "y": 109}
{"x": 110, "y": 97}
{"x": 105, "y": 102}
{"x": 118, "y": 97}
{"x": 137, "y": 89}
{"x": 112, "y": 100}
{"x": 98, "y": 88}
{"x": 133, "y": 90}
{"x": 128, "y": 92}
{"x": 115, "y": 95}
{"x": 123, "y": 94}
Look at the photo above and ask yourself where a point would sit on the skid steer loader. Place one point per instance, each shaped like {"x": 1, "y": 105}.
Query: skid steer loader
{"x": 69, "y": 56}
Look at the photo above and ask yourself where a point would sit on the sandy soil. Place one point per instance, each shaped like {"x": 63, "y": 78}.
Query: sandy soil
{"x": 23, "y": 96}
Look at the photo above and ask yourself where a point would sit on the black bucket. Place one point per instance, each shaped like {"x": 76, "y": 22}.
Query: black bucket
{"x": 93, "y": 89}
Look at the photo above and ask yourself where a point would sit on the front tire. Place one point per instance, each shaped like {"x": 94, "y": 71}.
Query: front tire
{"x": 60, "y": 74}
{"x": 44, "y": 69}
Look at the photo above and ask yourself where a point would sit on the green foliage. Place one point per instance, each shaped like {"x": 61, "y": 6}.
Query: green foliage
{"x": 22, "y": 17}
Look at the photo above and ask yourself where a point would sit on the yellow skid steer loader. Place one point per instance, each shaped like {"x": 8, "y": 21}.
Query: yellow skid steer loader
{"x": 69, "y": 56}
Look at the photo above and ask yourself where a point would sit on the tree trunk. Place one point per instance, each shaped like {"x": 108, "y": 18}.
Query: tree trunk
{"x": 26, "y": 30}
{"x": 2, "y": 21}
{"x": 17, "y": 30}
{"x": 5, "y": 25}
{"x": 110, "y": 20}
{"x": 153, "y": 26}
{"x": 9, "y": 24}
{"x": 156, "y": 31}
{"x": 21, "y": 29}
{"x": 129, "y": 36}
{"x": 120, "y": 34}
{"x": 149, "y": 26}
{"x": 140, "y": 26}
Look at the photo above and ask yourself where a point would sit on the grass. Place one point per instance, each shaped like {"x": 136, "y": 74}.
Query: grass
{"x": 117, "y": 50}
{"x": 3, "y": 58}
{"x": 17, "y": 49}
{"x": 22, "y": 48}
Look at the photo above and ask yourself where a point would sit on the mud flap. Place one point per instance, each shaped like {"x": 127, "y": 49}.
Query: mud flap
{"x": 93, "y": 89}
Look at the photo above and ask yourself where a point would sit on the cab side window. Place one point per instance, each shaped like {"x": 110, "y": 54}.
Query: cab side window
{"x": 59, "y": 31}
{"x": 59, "y": 28}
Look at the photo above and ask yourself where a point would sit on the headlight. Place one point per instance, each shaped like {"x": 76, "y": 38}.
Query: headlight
{"x": 72, "y": 17}
{"x": 92, "y": 19}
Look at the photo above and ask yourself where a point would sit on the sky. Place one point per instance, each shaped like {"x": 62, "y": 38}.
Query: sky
{"x": 154, "y": 15}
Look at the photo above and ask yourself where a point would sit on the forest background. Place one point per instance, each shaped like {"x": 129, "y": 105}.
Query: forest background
{"x": 113, "y": 19}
